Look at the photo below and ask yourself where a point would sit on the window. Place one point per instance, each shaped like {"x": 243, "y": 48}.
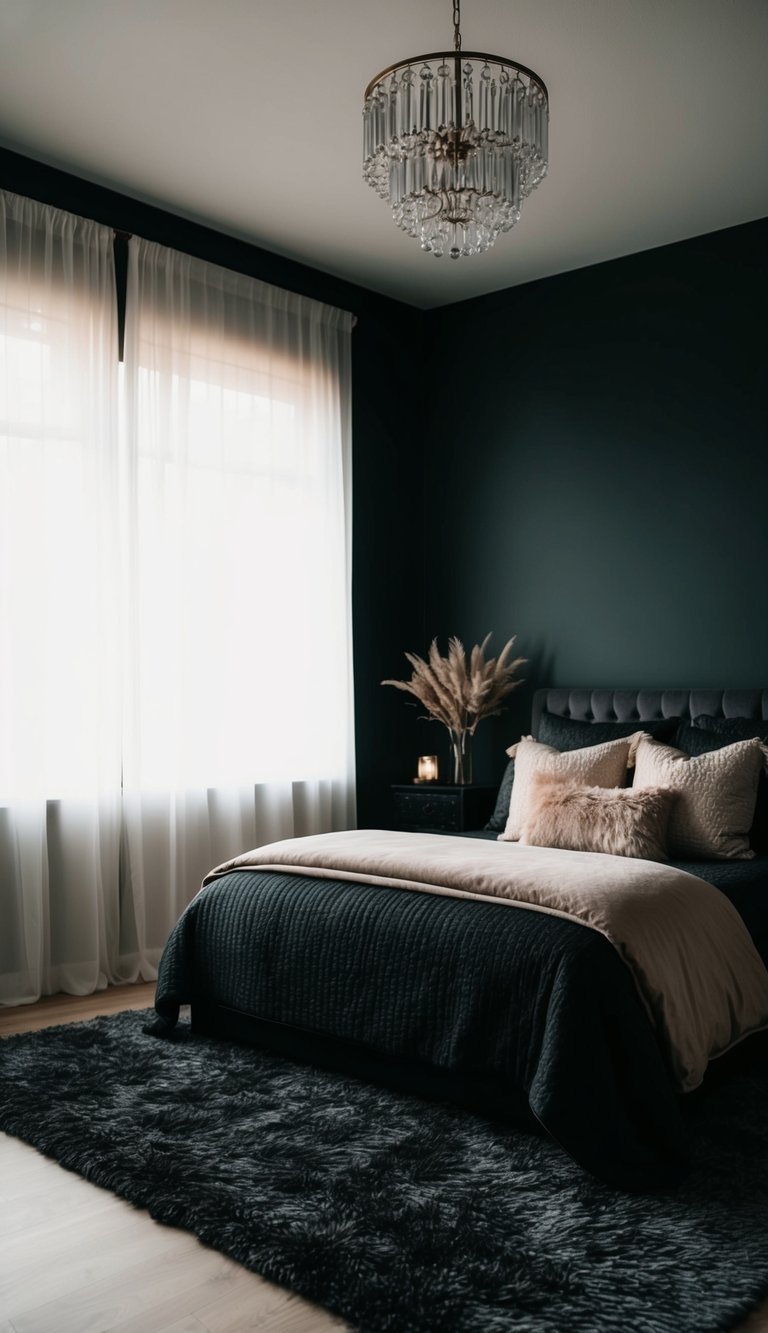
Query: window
{"x": 175, "y": 661}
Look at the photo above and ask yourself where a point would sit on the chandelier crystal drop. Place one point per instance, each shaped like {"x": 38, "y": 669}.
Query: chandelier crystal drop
{"x": 454, "y": 141}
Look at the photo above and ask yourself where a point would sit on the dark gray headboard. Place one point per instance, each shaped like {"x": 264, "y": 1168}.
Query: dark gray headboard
{"x": 645, "y": 705}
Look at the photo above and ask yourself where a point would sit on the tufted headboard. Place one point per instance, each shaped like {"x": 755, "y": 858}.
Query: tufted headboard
{"x": 645, "y": 705}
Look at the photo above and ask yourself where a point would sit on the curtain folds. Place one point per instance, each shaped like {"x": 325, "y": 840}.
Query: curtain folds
{"x": 59, "y": 753}
{"x": 237, "y": 450}
{"x": 175, "y": 653}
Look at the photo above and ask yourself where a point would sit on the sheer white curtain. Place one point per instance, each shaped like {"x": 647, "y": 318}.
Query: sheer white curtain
{"x": 237, "y": 458}
{"x": 175, "y": 659}
{"x": 59, "y": 691}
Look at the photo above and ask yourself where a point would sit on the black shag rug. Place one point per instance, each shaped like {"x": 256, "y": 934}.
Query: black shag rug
{"x": 398, "y": 1214}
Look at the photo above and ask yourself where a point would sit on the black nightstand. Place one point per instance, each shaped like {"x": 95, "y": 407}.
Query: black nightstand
{"x": 431, "y": 808}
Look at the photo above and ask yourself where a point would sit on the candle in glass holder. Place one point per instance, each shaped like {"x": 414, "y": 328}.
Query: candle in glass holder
{"x": 428, "y": 768}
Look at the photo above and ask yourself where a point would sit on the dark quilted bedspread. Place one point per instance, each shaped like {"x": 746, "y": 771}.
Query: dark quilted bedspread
{"x": 542, "y": 1005}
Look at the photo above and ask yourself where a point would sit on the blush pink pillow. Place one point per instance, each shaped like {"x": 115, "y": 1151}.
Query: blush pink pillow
{"x": 621, "y": 821}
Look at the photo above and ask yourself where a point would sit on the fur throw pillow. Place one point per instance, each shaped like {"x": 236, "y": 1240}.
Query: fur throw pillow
{"x": 617, "y": 820}
{"x": 602, "y": 765}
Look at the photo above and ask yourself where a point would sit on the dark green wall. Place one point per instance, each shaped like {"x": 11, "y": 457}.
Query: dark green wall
{"x": 388, "y": 593}
{"x": 597, "y": 472}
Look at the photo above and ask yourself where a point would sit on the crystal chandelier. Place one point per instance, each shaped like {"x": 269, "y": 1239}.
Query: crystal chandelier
{"x": 454, "y": 141}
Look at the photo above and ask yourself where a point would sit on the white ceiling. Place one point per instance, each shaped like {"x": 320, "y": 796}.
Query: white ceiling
{"x": 246, "y": 115}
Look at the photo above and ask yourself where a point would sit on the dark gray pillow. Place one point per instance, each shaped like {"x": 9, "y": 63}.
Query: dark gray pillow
{"x": 694, "y": 740}
{"x": 567, "y": 733}
{"x": 734, "y": 728}
{"x": 498, "y": 820}
{"x": 707, "y": 733}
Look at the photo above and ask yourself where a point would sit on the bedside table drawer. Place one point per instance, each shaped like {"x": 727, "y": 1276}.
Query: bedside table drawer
{"x": 433, "y": 808}
{"x": 429, "y": 810}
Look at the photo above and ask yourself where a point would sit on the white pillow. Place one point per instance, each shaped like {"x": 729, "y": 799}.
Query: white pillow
{"x": 595, "y": 766}
{"x": 717, "y": 792}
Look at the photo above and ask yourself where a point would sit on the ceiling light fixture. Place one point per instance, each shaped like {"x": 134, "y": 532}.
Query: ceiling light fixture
{"x": 454, "y": 141}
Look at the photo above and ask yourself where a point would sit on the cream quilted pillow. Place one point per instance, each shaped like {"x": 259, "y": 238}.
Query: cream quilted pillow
{"x": 595, "y": 766}
{"x": 717, "y": 793}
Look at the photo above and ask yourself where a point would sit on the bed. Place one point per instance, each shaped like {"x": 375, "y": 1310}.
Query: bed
{"x": 514, "y": 1013}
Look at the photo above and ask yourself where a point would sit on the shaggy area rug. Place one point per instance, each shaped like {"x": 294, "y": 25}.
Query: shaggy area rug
{"x": 398, "y": 1214}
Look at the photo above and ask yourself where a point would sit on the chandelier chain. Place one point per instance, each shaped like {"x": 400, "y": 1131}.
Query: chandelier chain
{"x": 457, "y": 25}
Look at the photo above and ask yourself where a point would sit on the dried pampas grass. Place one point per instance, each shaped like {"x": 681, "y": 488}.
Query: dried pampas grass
{"x": 457, "y": 690}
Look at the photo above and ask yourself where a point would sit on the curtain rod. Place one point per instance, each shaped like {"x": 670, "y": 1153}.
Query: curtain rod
{"x": 128, "y": 236}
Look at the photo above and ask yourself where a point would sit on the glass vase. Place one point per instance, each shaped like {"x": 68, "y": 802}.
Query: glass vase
{"x": 461, "y": 757}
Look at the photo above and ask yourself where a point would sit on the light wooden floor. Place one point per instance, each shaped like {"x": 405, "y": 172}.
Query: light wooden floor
{"x": 76, "y": 1259}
